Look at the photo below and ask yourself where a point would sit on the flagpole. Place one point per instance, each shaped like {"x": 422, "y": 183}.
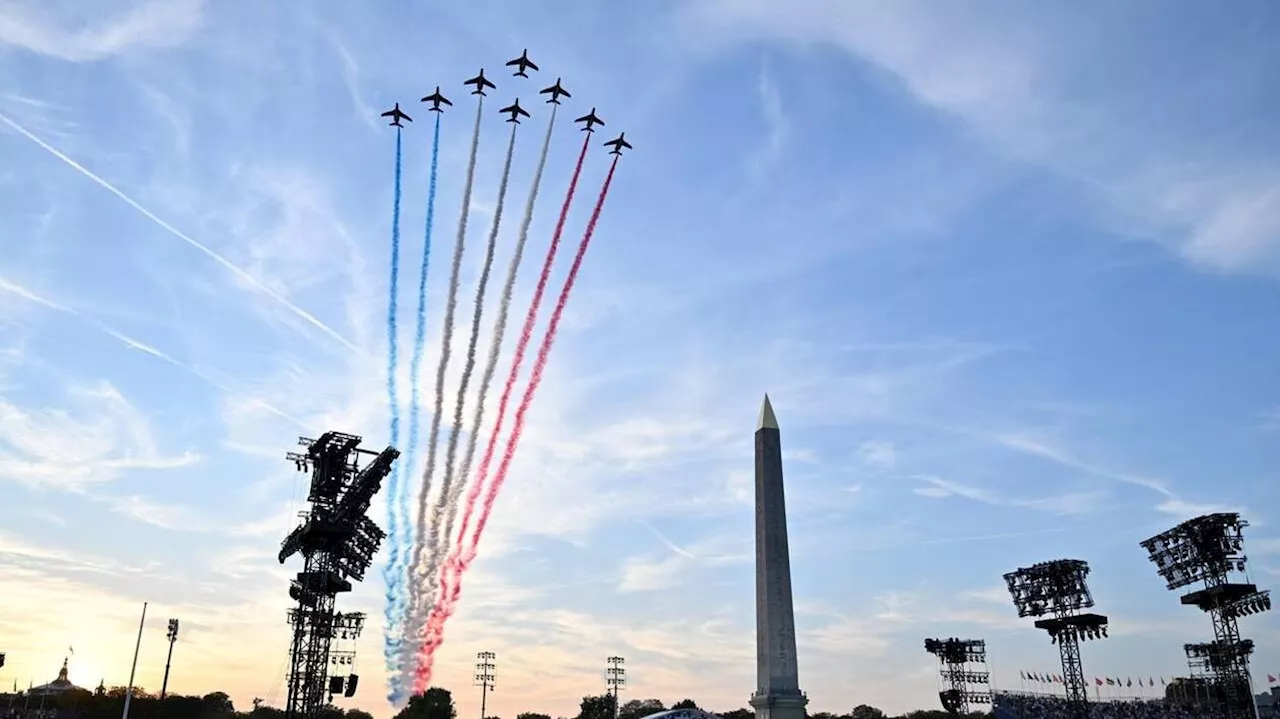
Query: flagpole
{"x": 128, "y": 694}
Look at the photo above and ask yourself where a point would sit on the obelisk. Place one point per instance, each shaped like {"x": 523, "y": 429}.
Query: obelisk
{"x": 778, "y": 694}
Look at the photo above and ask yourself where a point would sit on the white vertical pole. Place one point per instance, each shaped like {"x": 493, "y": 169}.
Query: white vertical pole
{"x": 128, "y": 694}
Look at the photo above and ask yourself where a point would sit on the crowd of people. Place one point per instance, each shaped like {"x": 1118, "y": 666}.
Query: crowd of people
{"x": 1032, "y": 706}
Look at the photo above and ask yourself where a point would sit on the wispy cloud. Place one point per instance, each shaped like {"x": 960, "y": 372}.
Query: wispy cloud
{"x": 1076, "y": 503}
{"x": 57, "y": 31}
{"x": 1010, "y": 78}
{"x": 132, "y": 343}
{"x": 102, "y": 437}
{"x": 241, "y": 274}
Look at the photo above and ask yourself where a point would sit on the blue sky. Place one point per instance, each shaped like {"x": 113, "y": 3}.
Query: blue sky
{"x": 1008, "y": 274}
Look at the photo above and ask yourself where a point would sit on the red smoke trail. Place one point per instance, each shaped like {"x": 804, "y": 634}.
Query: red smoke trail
{"x": 522, "y": 346}
{"x": 459, "y": 561}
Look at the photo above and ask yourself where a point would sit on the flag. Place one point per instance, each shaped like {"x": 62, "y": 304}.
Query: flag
{"x": 1151, "y": 682}
{"x": 1271, "y": 679}
{"x": 1161, "y": 681}
{"x": 1130, "y": 682}
{"x": 71, "y": 649}
{"x": 1022, "y": 675}
{"x": 1099, "y": 681}
{"x": 1110, "y": 682}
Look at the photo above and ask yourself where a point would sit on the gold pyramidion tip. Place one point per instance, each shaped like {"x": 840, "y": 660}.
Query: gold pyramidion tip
{"x": 767, "y": 419}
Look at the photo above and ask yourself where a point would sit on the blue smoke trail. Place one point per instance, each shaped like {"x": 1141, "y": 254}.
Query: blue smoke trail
{"x": 393, "y": 399}
{"x": 396, "y": 603}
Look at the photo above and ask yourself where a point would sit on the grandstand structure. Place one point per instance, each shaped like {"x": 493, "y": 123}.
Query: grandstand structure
{"x": 963, "y": 671}
{"x": 1209, "y": 551}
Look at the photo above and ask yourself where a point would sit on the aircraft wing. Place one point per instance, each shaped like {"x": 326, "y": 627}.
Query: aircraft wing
{"x": 410, "y": 119}
{"x": 529, "y": 64}
{"x": 389, "y": 113}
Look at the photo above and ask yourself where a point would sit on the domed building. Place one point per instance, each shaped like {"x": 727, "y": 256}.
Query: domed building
{"x": 58, "y": 687}
{"x": 684, "y": 714}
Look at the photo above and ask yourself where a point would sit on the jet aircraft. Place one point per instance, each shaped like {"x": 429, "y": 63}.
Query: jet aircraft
{"x": 436, "y": 99}
{"x": 516, "y": 111}
{"x": 396, "y": 115}
{"x": 521, "y": 64}
{"x": 618, "y": 144}
{"x": 556, "y": 92}
{"x": 481, "y": 82}
{"x": 591, "y": 119}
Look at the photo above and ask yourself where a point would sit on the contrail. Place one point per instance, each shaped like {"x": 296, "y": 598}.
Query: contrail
{"x": 522, "y": 345}
{"x": 396, "y": 499}
{"x": 132, "y": 343}
{"x": 462, "y": 556}
{"x": 499, "y": 330}
{"x": 242, "y": 274}
{"x": 451, "y": 306}
{"x": 393, "y": 403}
{"x": 448, "y": 492}
{"x": 435, "y": 547}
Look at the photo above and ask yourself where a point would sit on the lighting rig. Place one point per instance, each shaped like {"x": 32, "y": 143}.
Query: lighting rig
{"x": 963, "y": 662}
{"x": 484, "y": 677}
{"x": 1206, "y": 550}
{"x": 337, "y": 541}
{"x": 172, "y": 636}
{"x": 615, "y": 678}
{"x": 1058, "y": 590}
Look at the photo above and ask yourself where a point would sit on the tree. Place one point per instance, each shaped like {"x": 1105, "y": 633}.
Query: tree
{"x": 358, "y": 714}
{"x": 436, "y": 703}
{"x": 863, "y": 711}
{"x": 596, "y": 707}
{"x": 217, "y": 704}
{"x": 328, "y": 711}
{"x": 640, "y": 708}
{"x": 739, "y": 714}
{"x": 685, "y": 704}
{"x": 532, "y": 715}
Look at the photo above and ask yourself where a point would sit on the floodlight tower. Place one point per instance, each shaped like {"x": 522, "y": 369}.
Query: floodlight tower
{"x": 615, "y": 678}
{"x": 172, "y": 636}
{"x": 337, "y": 541}
{"x": 1207, "y": 550}
{"x": 484, "y": 677}
{"x": 963, "y": 662}
{"x": 1059, "y": 589}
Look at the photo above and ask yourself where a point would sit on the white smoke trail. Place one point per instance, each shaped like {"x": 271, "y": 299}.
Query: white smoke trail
{"x": 438, "y": 544}
{"x": 499, "y": 331}
{"x": 411, "y": 639}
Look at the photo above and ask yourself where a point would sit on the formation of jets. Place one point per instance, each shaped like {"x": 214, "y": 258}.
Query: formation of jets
{"x": 515, "y": 110}
{"x": 591, "y": 120}
{"x": 522, "y": 64}
{"x": 556, "y": 91}
{"x": 396, "y": 115}
{"x": 436, "y": 99}
{"x": 618, "y": 144}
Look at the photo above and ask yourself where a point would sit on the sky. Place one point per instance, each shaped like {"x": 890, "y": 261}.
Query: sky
{"x": 1004, "y": 269}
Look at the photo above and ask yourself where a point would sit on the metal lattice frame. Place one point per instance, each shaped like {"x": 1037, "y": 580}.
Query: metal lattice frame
{"x": 1206, "y": 550}
{"x": 337, "y": 541}
{"x": 963, "y": 662}
{"x": 1060, "y": 590}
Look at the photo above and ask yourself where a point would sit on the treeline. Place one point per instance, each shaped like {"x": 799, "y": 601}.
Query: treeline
{"x": 437, "y": 703}
{"x": 109, "y": 704}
